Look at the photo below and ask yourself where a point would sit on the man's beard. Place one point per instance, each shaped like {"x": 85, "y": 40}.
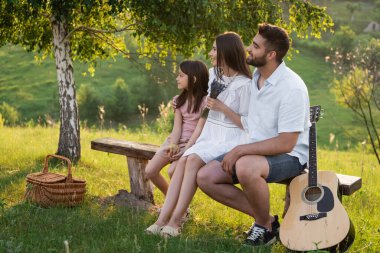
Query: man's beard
{"x": 257, "y": 62}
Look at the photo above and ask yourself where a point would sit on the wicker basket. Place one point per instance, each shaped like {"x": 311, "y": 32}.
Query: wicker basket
{"x": 48, "y": 189}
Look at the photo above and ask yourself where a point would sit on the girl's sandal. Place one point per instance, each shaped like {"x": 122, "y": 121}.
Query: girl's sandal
{"x": 168, "y": 231}
{"x": 154, "y": 229}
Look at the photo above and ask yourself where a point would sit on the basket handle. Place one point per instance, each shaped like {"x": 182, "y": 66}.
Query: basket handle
{"x": 69, "y": 178}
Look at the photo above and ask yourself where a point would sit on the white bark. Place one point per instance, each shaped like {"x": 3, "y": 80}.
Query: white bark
{"x": 69, "y": 136}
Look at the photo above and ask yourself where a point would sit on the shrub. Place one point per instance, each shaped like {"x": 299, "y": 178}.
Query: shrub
{"x": 9, "y": 114}
{"x": 120, "y": 105}
{"x": 1, "y": 121}
{"x": 164, "y": 122}
{"x": 88, "y": 101}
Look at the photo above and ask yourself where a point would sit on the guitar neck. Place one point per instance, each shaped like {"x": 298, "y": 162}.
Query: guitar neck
{"x": 313, "y": 155}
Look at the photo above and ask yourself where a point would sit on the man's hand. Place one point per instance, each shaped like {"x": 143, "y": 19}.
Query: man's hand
{"x": 230, "y": 159}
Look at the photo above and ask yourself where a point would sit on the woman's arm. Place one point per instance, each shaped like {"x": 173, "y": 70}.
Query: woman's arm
{"x": 217, "y": 105}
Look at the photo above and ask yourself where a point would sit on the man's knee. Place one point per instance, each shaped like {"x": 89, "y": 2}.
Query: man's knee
{"x": 251, "y": 167}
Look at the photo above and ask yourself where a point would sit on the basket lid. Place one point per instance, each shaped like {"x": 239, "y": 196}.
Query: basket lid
{"x": 46, "y": 177}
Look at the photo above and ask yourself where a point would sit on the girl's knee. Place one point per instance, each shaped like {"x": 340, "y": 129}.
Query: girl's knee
{"x": 152, "y": 171}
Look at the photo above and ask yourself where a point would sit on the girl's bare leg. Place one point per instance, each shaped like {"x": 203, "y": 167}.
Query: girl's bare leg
{"x": 152, "y": 172}
{"x": 188, "y": 189}
{"x": 172, "y": 168}
{"x": 172, "y": 193}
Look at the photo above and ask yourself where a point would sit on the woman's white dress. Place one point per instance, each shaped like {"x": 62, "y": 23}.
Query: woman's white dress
{"x": 220, "y": 134}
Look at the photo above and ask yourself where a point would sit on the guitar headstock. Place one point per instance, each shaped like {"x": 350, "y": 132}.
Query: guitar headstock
{"x": 315, "y": 113}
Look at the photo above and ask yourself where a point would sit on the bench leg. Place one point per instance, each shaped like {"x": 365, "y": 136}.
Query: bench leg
{"x": 287, "y": 201}
{"x": 140, "y": 186}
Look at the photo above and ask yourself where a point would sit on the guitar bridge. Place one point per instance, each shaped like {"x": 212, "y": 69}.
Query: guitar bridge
{"x": 313, "y": 216}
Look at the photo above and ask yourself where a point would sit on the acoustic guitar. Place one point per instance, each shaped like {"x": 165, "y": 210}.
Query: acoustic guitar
{"x": 316, "y": 219}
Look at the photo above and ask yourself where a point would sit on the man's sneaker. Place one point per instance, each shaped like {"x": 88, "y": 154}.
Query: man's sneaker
{"x": 260, "y": 236}
{"x": 275, "y": 227}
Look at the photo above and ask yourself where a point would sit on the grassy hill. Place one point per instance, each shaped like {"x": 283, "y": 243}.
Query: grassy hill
{"x": 32, "y": 89}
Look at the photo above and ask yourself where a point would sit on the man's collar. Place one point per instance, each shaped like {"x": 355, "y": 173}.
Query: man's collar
{"x": 275, "y": 76}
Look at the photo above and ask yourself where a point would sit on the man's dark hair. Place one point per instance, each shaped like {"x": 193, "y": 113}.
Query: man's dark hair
{"x": 277, "y": 39}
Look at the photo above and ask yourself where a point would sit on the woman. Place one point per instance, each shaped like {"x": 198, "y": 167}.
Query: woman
{"x": 221, "y": 132}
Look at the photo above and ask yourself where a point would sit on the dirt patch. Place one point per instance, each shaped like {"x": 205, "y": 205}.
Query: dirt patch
{"x": 127, "y": 199}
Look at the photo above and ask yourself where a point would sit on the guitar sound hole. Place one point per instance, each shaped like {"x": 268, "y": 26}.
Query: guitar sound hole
{"x": 313, "y": 194}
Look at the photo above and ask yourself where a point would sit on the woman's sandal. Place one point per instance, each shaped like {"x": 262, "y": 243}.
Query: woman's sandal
{"x": 154, "y": 229}
{"x": 168, "y": 231}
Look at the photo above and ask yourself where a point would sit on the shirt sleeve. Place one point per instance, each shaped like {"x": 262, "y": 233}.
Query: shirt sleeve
{"x": 294, "y": 112}
{"x": 244, "y": 123}
{"x": 244, "y": 98}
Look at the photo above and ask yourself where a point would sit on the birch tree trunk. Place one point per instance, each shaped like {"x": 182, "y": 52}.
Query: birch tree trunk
{"x": 69, "y": 133}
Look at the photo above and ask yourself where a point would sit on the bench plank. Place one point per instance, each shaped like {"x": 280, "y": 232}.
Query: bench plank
{"x": 127, "y": 148}
{"x": 348, "y": 184}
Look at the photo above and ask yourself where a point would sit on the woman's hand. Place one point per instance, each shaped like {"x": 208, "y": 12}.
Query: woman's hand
{"x": 215, "y": 104}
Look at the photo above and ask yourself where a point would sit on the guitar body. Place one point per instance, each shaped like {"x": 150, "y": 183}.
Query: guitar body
{"x": 316, "y": 218}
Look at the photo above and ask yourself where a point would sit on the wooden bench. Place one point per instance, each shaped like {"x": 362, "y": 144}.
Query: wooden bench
{"x": 138, "y": 155}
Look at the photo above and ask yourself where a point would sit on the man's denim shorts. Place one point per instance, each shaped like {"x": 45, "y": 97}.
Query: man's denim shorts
{"x": 281, "y": 167}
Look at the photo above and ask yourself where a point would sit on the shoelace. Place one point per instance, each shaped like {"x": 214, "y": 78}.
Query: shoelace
{"x": 256, "y": 233}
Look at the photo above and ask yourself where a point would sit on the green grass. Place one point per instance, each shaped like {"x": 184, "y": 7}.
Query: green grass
{"x": 92, "y": 227}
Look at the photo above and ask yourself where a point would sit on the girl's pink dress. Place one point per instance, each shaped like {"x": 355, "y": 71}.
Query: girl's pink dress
{"x": 189, "y": 122}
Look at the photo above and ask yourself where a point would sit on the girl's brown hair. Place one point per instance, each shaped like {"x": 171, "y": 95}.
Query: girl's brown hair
{"x": 230, "y": 50}
{"x": 197, "y": 85}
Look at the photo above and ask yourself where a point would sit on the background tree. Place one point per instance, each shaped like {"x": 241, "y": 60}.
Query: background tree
{"x": 357, "y": 86}
{"x": 91, "y": 30}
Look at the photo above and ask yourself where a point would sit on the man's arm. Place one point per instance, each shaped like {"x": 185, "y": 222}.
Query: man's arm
{"x": 281, "y": 144}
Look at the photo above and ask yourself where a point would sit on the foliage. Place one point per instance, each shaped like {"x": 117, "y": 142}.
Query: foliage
{"x": 165, "y": 121}
{"x": 344, "y": 40}
{"x": 9, "y": 114}
{"x": 100, "y": 227}
{"x": 1, "y": 121}
{"x": 93, "y": 25}
{"x": 357, "y": 86}
{"x": 89, "y": 30}
{"x": 88, "y": 101}
{"x": 120, "y": 104}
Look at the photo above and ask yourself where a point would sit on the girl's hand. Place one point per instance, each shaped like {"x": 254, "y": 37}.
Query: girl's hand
{"x": 177, "y": 156}
{"x": 173, "y": 149}
{"x": 215, "y": 104}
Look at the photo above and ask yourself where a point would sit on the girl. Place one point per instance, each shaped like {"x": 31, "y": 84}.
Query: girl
{"x": 222, "y": 130}
{"x": 192, "y": 79}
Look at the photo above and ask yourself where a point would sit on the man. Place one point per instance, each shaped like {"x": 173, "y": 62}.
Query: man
{"x": 278, "y": 126}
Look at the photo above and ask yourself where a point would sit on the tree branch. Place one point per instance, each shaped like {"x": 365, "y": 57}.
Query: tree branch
{"x": 129, "y": 27}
